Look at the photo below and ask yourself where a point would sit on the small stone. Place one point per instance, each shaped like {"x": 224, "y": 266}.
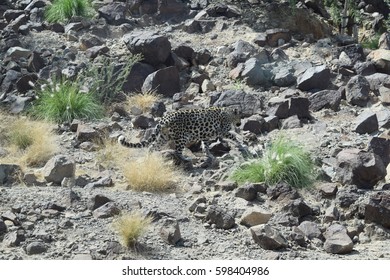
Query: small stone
{"x": 103, "y": 182}
{"x": 328, "y": 190}
{"x": 247, "y": 192}
{"x": 170, "y": 231}
{"x": 97, "y": 201}
{"x": 10, "y": 216}
{"x": 196, "y": 202}
{"x": 3, "y": 227}
{"x": 268, "y": 238}
{"x": 337, "y": 240}
{"x": 220, "y": 217}
{"x": 226, "y": 185}
{"x": 106, "y": 211}
{"x": 86, "y": 133}
{"x": 310, "y": 229}
{"x": 13, "y": 238}
{"x": 255, "y": 216}
{"x": 35, "y": 248}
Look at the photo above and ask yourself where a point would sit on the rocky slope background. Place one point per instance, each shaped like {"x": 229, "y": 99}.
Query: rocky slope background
{"x": 283, "y": 63}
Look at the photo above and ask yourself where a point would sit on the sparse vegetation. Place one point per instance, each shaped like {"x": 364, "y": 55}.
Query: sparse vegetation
{"x": 63, "y": 101}
{"x": 142, "y": 101}
{"x": 29, "y": 143}
{"x": 110, "y": 154}
{"x": 64, "y": 10}
{"x": 372, "y": 42}
{"x": 151, "y": 172}
{"x": 106, "y": 78}
{"x": 283, "y": 161}
{"x": 130, "y": 227}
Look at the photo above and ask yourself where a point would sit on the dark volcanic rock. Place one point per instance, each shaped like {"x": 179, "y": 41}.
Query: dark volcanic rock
{"x": 36, "y": 247}
{"x": 325, "y": 99}
{"x": 381, "y": 147}
{"x": 317, "y": 77}
{"x": 137, "y": 76}
{"x": 114, "y": 13}
{"x": 165, "y": 81}
{"x": 299, "y": 106}
{"x": 364, "y": 169}
{"x": 337, "y": 240}
{"x": 247, "y": 103}
{"x": 155, "y": 49}
{"x": 357, "y": 91}
{"x": 377, "y": 210}
{"x": 268, "y": 238}
{"x": 9, "y": 173}
{"x": 366, "y": 122}
{"x": 221, "y": 218}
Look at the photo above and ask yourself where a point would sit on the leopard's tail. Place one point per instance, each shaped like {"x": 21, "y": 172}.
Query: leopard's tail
{"x": 142, "y": 144}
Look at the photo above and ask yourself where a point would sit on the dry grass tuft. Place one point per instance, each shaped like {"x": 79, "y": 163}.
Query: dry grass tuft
{"x": 110, "y": 154}
{"x": 143, "y": 171}
{"x": 151, "y": 172}
{"x": 29, "y": 143}
{"x": 142, "y": 101}
{"x": 130, "y": 227}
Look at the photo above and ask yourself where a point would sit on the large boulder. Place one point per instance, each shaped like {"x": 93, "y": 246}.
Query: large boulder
{"x": 220, "y": 217}
{"x": 337, "y": 240}
{"x": 381, "y": 60}
{"x": 165, "y": 81}
{"x": 248, "y": 104}
{"x": 325, "y": 99}
{"x": 137, "y": 76}
{"x": 317, "y": 77}
{"x": 366, "y": 122}
{"x": 364, "y": 169}
{"x": 253, "y": 72}
{"x": 114, "y": 13}
{"x": 381, "y": 147}
{"x": 377, "y": 209}
{"x": 357, "y": 91}
{"x": 155, "y": 49}
{"x": 9, "y": 173}
{"x": 58, "y": 168}
{"x": 268, "y": 237}
{"x": 171, "y": 8}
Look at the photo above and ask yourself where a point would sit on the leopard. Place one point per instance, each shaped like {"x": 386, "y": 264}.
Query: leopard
{"x": 186, "y": 127}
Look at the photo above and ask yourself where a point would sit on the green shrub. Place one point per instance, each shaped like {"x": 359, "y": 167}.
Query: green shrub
{"x": 371, "y": 43}
{"x": 63, "y": 10}
{"x": 106, "y": 78}
{"x": 283, "y": 161}
{"x": 63, "y": 101}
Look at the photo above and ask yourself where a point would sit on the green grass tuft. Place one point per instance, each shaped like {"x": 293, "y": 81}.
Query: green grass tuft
{"x": 283, "y": 161}
{"x": 371, "y": 43}
{"x": 62, "y": 102}
{"x": 64, "y": 10}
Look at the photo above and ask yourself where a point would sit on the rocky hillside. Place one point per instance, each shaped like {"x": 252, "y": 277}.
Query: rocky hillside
{"x": 283, "y": 64}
